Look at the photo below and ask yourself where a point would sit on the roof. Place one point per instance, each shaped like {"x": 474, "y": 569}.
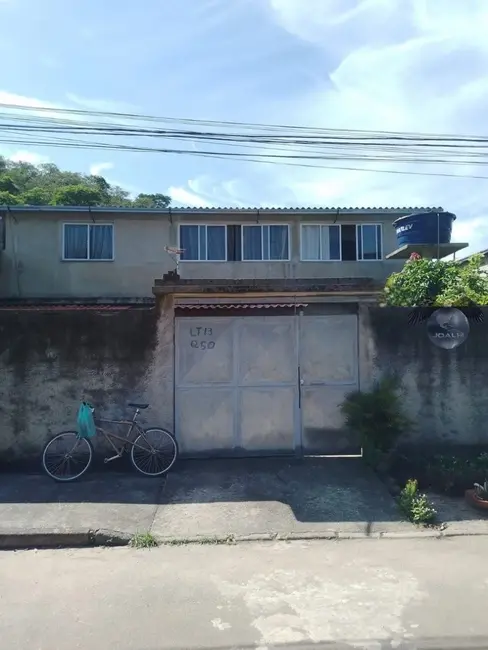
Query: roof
{"x": 468, "y": 257}
{"x": 222, "y": 210}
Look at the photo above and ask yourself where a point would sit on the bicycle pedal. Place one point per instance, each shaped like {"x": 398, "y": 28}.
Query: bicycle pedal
{"x": 108, "y": 460}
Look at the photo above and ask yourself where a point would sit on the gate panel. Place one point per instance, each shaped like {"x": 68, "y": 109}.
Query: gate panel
{"x": 328, "y": 372}
{"x": 236, "y": 385}
{"x": 205, "y": 351}
{"x": 268, "y": 384}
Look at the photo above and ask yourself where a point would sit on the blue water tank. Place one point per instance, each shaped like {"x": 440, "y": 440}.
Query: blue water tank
{"x": 424, "y": 228}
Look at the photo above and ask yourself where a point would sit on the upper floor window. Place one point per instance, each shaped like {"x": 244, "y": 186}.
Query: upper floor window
{"x": 203, "y": 243}
{"x": 341, "y": 242}
{"x": 370, "y": 244}
{"x": 82, "y": 241}
{"x": 263, "y": 243}
{"x": 232, "y": 243}
{"x": 321, "y": 243}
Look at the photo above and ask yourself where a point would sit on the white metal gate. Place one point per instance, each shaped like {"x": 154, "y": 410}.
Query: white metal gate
{"x": 263, "y": 384}
{"x": 329, "y": 370}
{"x": 236, "y": 385}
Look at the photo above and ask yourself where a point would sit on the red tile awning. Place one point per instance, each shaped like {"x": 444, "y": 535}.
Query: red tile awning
{"x": 242, "y": 305}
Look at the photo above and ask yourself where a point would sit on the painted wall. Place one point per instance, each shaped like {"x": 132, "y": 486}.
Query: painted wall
{"x": 31, "y": 266}
{"x": 49, "y": 362}
{"x": 445, "y": 391}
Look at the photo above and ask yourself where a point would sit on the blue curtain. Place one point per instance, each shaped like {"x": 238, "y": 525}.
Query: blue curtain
{"x": 216, "y": 243}
{"x": 278, "y": 242}
{"x": 75, "y": 242}
{"x": 101, "y": 242}
{"x": 189, "y": 242}
{"x": 252, "y": 240}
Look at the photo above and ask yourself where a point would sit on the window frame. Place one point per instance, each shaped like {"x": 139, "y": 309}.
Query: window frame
{"x": 88, "y": 225}
{"x": 223, "y": 225}
{"x": 321, "y": 225}
{"x": 359, "y": 233}
{"x": 262, "y": 225}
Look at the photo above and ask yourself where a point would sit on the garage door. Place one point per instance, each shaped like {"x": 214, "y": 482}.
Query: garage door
{"x": 268, "y": 384}
{"x": 236, "y": 385}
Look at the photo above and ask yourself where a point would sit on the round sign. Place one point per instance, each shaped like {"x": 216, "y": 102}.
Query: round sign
{"x": 448, "y": 328}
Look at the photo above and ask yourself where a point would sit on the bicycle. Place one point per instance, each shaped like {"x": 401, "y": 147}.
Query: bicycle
{"x": 146, "y": 456}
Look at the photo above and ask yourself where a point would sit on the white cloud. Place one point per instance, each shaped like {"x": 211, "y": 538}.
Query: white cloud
{"x": 101, "y": 105}
{"x": 187, "y": 198}
{"x": 416, "y": 66}
{"x": 13, "y": 99}
{"x": 29, "y": 157}
{"x": 96, "y": 169}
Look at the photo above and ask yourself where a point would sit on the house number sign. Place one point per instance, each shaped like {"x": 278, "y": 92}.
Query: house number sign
{"x": 201, "y": 338}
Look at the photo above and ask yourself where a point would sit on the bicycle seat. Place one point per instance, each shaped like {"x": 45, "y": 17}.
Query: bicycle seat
{"x": 141, "y": 407}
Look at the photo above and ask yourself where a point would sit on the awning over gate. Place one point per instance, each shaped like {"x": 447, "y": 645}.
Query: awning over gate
{"x": 241, "y": 305}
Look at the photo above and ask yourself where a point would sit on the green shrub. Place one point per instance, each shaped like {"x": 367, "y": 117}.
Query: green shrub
{"x": 376, "y": 415}
{"x": 415, "y": 506}
{"x": 454, "y": 474}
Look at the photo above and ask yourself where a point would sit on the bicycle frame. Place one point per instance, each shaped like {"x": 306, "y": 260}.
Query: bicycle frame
{"x": 125, "y": 440}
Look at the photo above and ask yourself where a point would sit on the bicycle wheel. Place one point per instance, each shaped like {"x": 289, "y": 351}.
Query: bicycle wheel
{"x": 154, "y": 452}
{"x": 67, "y": 456}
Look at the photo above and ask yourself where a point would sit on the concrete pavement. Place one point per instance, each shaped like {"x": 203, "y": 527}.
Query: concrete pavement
{"x": 291, "y": 595}
{"x": 213, "y": 501}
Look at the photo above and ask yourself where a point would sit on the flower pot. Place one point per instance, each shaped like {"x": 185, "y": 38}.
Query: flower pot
{"x": 473, "y": 499}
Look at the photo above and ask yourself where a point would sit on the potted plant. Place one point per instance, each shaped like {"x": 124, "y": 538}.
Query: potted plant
{"x": 478, "y": 496}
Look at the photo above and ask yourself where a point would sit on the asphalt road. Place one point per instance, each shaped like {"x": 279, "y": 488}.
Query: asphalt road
{"x": 351, "y": 594}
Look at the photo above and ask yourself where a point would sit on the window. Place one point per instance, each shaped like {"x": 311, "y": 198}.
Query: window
{"x": 203, "y": 243}
{"x": 370, "y": 244}
{"x": 346, "y": 242}
{"x": 82, "y": 241}
{"x": 320, "y": 243}
{"x": 233, "y": 243}
{"x": 263, "y": 243}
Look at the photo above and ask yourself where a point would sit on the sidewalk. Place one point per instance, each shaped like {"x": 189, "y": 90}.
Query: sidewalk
{"x": 214, "y": 501}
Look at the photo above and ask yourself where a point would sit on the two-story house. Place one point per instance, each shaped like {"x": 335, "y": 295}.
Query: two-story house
{"x": 261, "y": 307}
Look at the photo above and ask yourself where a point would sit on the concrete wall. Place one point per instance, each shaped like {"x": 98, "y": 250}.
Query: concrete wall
{"x": 49, "y": 362}
{"x": 295, "y": 268}
{"x": 445, "y": 391}
{"x": 31, "y": 265}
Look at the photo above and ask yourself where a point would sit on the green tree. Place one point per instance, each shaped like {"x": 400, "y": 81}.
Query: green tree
{"x": 7, "y": 198}
{"x": 436, "y": 283}
{"x": 77, "y": 195}
{"x": 157, "y": 201}
{"x": 46, "y": 184}
{"x": 7, "y": 184}
{"x": 36, "y": 196}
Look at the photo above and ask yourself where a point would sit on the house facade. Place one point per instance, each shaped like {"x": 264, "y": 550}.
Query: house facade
{"x": 76, "y": 253}
{"x": 260, "y": 331}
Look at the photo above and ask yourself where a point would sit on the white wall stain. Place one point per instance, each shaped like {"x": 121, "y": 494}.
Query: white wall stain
{"x": 220, "y": 625}
{"x": 294, "y": 606}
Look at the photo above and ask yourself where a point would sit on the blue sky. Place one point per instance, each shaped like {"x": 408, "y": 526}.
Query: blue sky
{"x": 409, "y": 65}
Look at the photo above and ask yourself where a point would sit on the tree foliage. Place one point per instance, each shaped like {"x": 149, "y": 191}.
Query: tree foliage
{"x": 436, "y": 283}
{"x": 22, "y": 183}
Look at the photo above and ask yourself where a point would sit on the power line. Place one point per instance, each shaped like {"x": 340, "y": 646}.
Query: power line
{"x": 272, "y": 147}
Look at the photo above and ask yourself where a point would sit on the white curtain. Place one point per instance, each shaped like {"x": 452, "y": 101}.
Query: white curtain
{"x": 311, "y": 243}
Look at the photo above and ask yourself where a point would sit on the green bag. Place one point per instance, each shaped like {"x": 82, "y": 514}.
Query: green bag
{"x": 85, "y": 423}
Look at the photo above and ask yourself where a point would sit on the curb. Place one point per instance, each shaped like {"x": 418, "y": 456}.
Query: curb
{"x": 324, "y": 536}
{"x": 61, "y": 539}
{"x": 24, "y": 540}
